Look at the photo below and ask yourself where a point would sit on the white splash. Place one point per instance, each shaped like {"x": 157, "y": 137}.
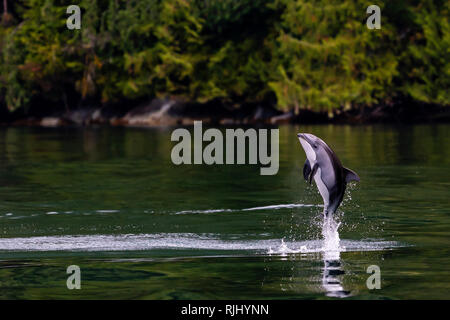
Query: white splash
{"x": 330, "y": 233}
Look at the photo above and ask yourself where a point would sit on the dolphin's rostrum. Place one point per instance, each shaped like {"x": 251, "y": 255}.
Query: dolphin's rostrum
{"x": 324, "y": 166}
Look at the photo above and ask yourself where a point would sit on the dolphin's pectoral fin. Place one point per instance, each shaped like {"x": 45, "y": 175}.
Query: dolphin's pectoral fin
{"x": 306, "y": 169}
{"x": 313, "y": 172}
{"x": 350, "y": 175}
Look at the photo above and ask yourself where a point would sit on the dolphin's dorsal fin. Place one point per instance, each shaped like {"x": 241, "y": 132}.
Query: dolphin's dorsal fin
{"x": 350, "y": 175}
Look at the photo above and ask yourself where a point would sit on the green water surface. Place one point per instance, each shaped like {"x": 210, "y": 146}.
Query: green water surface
{"x": 139, "y": 227}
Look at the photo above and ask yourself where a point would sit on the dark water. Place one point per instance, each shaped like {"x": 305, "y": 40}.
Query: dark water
{"x": 110, "y": 201}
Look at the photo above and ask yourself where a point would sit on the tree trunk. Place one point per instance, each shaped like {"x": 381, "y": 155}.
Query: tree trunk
{"x": 296, "y": 107}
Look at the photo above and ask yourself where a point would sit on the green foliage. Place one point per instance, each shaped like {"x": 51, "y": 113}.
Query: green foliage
{"x": 32, "y": 62}
{"x": 328, "y": 58}
{"x": 125, "y": 49}
{"x": 429, "y": 55}
{"x": 143, "y": 48}
{"x": 313, "y": 54}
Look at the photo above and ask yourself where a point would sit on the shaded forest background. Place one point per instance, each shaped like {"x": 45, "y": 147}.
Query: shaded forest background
{"x": 301, "y": 54}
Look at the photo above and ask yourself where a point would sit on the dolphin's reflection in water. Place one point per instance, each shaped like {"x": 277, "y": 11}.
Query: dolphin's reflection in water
{"x": 332, "y": 271}
{"x": 317, "y": 277}
{"x": 332, "y": 275}
{"x": 319, "y": 272}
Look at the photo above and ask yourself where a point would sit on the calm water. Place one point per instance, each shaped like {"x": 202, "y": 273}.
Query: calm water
{"x": 110, "y": 201}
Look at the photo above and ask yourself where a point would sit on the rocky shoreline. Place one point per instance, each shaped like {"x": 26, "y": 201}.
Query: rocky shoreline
{"x": 173, "y": 112}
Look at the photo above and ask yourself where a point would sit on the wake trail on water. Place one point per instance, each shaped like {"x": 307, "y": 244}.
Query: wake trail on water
{"x": 330, "y": 244}
{"x": 270, "y": 207}
{"x": 11, "y": 215}
{"x": 181, "y": 241}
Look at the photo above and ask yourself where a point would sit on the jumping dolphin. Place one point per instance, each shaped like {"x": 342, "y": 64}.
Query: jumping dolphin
{"x": 330, "y": 176}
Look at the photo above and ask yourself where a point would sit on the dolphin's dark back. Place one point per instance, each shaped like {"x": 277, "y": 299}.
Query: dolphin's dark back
{"x": 337, "y": 190}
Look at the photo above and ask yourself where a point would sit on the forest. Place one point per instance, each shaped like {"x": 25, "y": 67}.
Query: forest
{"x": 314, "y": 55}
